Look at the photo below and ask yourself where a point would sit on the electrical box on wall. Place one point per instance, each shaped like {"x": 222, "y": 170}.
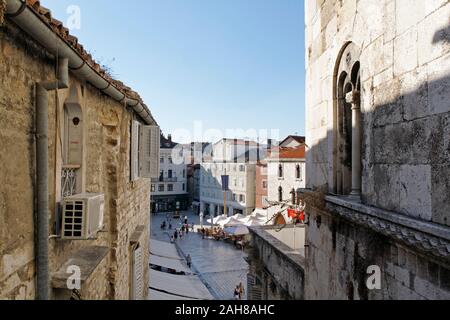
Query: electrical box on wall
{"x": 82, "y": 216}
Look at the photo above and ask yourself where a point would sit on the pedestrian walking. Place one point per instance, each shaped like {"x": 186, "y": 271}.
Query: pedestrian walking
{"x": 236, "y": 293}
{"x": 201, "y": 219}
{"x": 189, "y": 260}
{"x": 187, "y": 228}
{"x": 241, "y": 291}
{"x": 185, "y": 220}
{"x": 175, "y": 235}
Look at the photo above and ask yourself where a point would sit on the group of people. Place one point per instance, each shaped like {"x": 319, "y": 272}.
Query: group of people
{"x": 239, "y": 292}
{"x": 181, "y": 232}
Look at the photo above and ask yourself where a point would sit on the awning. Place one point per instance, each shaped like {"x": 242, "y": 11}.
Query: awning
{"x": 237, "y": 230}
{"x": 182, "y": 286}
{"x": 164, "y": 249}
{"x": 157, "y": 295}
{"x": 173, "y": 264}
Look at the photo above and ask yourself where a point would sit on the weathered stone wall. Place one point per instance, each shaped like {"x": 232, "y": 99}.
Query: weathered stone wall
{"x": 340, "y": 253}
{"x": 106, "y": 169}
{"x": 405, "y": 77}
{"x": 279, "y": 268}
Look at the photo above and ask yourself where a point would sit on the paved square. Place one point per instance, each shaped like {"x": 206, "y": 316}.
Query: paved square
{"x": 220, "y": 266}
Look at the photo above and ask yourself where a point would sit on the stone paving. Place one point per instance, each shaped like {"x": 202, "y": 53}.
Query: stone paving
{"x": 220, "y": 266}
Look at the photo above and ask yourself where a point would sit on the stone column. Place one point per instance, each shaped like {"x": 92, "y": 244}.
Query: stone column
{"x": 354, "y": 99}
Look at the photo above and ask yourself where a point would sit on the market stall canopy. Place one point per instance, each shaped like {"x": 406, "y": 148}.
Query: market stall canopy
{"x": 183, "y": 286}
{"x": 169, "y": 263}
{"x": 237, "y": 230}
{"x": 164, "y": 249}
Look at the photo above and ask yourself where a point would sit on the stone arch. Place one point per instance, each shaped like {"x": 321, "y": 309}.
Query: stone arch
{"x": 346, "y": 161}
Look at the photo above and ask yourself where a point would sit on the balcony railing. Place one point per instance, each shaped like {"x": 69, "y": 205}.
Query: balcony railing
{"x": 69, "y": 181}
{"x": 165, "y": 179}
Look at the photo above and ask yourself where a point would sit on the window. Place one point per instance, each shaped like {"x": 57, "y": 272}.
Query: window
{"x": 347, "y": 125}
{"x": 280, "y": 171}
{"x": 170, "y": 187}
{"x": 241, "y": 198}
{"x": 280, "y": 194}
{"x": 184, "y": 173}
{"x": 170, "y": 174}
{"x": 161, "y": 160}
{"x": 298, "y": 172}
{"x": 170, "y": 160}
{"x": 184, "y": 187}
{"x": 161, "y": 188}
{"x": 161, "y": 175}
{"x": 153, "y": 188}
{"x": 241, "y": 168}
{"x": 234, "y": 197}
{"x": 264, "y": 184}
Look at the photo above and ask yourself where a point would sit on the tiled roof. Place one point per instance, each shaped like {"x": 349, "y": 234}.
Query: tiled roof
{"x": 288, "y": 153}
{"x": 57, "y": 26}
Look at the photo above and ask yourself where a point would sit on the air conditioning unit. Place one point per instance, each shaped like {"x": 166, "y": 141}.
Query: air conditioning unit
{"x": 82, "y": 216}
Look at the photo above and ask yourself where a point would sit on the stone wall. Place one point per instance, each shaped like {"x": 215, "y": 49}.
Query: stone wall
{"x": 280, "y": 269}
{"x": 340, "y": 253}
{"x": 106, "y": 169}
{"x": 405, "y": 77}
{"x": 404, "y": 54}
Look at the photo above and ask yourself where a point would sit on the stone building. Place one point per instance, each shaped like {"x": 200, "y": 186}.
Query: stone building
{"x": 237, "y": 159}
{"x": 286, "y": 173}
{"x": 378, "y": 163}
{"x": 169, "y": 190}
{"x": 67, "y": 128}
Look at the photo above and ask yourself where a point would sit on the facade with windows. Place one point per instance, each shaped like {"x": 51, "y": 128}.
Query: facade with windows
{"x": 286, "y": 170}
{"x": 171, "y": 187}
{"x": 377, "y": 181}
{"x": 237, "y": 159}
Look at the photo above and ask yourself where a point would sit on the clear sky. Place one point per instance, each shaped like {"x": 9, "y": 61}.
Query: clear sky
{"x": 231, "y": 64}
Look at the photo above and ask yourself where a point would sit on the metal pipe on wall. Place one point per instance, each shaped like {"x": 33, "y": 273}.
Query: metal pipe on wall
{"x": 42, "y": 233}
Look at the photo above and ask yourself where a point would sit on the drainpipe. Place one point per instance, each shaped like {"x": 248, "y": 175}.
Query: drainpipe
{"x": 42, "y": 234}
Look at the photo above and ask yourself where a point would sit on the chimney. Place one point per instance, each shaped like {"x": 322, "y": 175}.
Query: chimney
{"x": 169, "y": 137}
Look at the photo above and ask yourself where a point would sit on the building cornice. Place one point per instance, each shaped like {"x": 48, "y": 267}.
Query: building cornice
{"x": 427, "y": 237}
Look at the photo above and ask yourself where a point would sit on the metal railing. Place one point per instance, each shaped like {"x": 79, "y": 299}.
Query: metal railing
{"x": 69, "y": 181}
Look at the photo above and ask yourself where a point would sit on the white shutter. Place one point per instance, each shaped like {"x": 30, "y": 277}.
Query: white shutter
{"x": 138, "y": 279}
{"x": 149, "y": 152}
{"x": 134, "y": 165}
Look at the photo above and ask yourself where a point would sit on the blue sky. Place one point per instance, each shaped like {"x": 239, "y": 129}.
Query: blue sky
{"x": 232, "y": 64}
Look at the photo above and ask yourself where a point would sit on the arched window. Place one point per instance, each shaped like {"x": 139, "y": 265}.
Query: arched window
{"x": 297, "y": 172}
{"x": 280, "y": 171}
{"x": 347, "y": 122}
{"x": 280, "y": 193}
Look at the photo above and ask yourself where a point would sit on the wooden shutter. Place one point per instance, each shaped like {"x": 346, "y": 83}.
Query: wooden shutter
{"x": 138, "y": 274}
{"x": 149, "y": 152}
{"x": 134, "y": 165}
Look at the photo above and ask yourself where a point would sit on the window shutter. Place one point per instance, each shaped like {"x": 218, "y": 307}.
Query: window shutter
{"x": 138, "y": 279}
{"x": 134, "y": 165}
{"x": 149, "y": 157}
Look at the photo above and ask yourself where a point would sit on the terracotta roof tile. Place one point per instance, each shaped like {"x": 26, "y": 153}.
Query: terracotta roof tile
{"x": 288, "y": 153}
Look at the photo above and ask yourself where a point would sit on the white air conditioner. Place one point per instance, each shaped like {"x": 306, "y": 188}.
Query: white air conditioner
{"x": 82, "y": 216}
